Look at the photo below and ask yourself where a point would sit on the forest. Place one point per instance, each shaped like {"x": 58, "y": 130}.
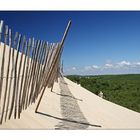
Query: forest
{"x": 120, "y": 89}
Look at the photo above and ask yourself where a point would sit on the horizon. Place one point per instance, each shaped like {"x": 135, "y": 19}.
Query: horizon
{"x": 98, "y": 43}
{"x": 105, "y": 74}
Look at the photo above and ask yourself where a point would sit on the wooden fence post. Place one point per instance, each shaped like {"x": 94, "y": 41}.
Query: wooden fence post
{"x": 1, "y": 28}
{"x": 55, "y": 59}
{"x": 3, "y": 59}
{"x": 24, "y": 43}
{"x": 5, "y": 41}
{"x": 15, "y": 78}
{"x": 10, "y": 45}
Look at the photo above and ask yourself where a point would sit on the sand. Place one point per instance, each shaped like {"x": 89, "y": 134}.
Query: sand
{"x": 74, "y": 107}
{"x": 99, "y": 111}
{"x": 70, "y": 106}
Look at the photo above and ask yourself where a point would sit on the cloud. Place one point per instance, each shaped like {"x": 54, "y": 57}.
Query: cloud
{"x": 88, "y": 68}
{"x": 137, "y": 63}
{"x": 73, "y": 68}
{"x": 122, "y": 67}
{"x": 124, "y": 63}
{"x": 95, "y": 67}
{"x": 108, "y": 66}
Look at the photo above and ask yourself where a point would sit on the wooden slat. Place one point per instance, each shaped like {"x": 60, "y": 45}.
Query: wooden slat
{"x": 15, "y": 79}
{"x": 4, "y": 100}
{"x": 46, "y": 51}
{"x": 35, "y": 71}
{"x": 30, "y": 72}
{"x": 12, "y": 70}
{"x": 45, "y": 64}
{"x": 39, "y": 70}
{"x": 3, "y": 60}
{"x": 55, "y": 59}
{"x": 34, "y": 46}
{"x": 1, "y": 28}
{"x": 27, "y": 74}
{"x": 22, "y": 78}
{"x": 8, "y": 97}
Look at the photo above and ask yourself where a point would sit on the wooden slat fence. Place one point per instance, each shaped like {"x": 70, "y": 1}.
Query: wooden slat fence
{"x": 27, "y": 68}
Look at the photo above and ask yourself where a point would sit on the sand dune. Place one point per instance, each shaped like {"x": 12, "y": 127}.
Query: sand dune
{"x": 70, "y": 106}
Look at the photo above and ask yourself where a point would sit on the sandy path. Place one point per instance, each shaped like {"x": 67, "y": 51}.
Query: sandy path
{"x": 73, "y": 117}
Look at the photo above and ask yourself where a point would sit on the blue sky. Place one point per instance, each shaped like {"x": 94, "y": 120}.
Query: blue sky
{"x": 99, "y": 42}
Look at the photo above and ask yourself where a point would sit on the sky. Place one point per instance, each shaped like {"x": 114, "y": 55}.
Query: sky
{"x": 98, "y": 42}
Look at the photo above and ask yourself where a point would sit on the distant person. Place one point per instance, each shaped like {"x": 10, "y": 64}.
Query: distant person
{"x": 101, "y": 94}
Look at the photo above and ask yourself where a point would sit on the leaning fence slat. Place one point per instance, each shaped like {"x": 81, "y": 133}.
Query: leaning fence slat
{"x": 1, "y": 28}
{"x": 49, "y": 61}
{"x": 43, "y": 66}
{"x": 18, "y": 78}
{"x": 55, "y": 59}
{"x": 20, "y": 85}
{"x": 23, "y": 78}
{"x": 38, "y": 70}
{"x": 30, "y": 71}
{"x": 15, "y": 79}
{"x": 27, "y": 74}
{"x": 4, "y": 100}
{"x": 27, "y": 101}
{"x": 3, "y": 60}
{"x": 12, "y": 70}
{"x": 48, "y": 78}
{"x": 10, "y": 45}
{"x": 36, "y": 65}
{"x": 50, "y": 58}
{"x": 34, "y": 45}
{"x": 34, "y": 70}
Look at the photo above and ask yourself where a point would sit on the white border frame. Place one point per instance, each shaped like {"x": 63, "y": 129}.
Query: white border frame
{"x": 70, "y": 5}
